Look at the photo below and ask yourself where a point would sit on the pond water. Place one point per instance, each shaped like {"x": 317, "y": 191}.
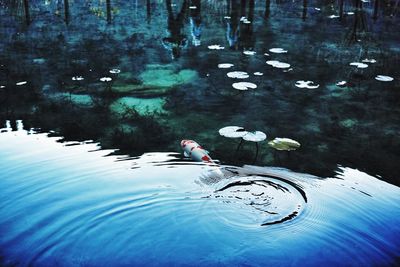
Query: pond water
{"x": 137, "y": 77}
{"x": 72, "y": 204}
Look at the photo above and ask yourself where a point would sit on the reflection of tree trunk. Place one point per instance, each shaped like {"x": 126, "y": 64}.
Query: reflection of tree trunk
{"x": 66, "y": 11}
{"x": 267, "y": 9}
{"x": 26, "y": 7}
{"x": 359, "y": 23}
{"x": 304, "y": 10}
{"x": 148, "y": 10}
{"x": 243, "y": 8}
{"x": 375, "y": 17}
{"x": 251, "y": 10}
{"x": 109, "y": 11}
{"x": 341, "y": 9}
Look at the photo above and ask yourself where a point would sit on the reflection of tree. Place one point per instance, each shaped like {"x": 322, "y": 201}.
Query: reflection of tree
{"x": 267, "y": 9}
{"x": 240, "y": 25}
{"x": 246, "y": 37}
{"x": 195, "y": 22}
{"x": 304, "y": 16}
{"x": 232, "y": 31}
{"x": 176, "y": 40}
{"x": 359, "y": 26}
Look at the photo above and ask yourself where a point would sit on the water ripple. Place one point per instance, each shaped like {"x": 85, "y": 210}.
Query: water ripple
{"x": 62, "y": 202}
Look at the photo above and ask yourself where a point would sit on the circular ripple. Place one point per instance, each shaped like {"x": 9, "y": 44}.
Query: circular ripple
{"x": 265, "y": 200}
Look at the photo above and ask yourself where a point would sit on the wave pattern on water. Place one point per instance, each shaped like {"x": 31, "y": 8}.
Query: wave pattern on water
{"x": 68, "y": 205}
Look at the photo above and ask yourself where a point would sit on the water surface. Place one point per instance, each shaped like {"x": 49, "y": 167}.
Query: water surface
{"x": 72, "y": 204}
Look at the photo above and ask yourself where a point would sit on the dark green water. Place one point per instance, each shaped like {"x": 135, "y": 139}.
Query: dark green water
{"x": 170, "y": 88}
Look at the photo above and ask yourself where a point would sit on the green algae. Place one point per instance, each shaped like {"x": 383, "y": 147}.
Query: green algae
{"x": 155, "y": 80}
{"x": 144, "y": 106}
{"x": 78, "y": 99}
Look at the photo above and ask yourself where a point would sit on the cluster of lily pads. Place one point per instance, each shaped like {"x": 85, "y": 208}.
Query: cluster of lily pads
{"x": 363, "y": 64}
{"x": 277, "y": 143}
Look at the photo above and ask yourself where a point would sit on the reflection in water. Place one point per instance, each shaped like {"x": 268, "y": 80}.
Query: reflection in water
{"x": 176, "y": 40}
{"x": 239, "y": 31}
{"x": 354, "y": 123}
{"x": 195, "y": 22}
{"x": 66, "y": 201}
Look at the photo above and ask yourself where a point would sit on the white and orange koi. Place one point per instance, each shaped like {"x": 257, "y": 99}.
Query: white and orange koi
{"x": 195, "y": 151}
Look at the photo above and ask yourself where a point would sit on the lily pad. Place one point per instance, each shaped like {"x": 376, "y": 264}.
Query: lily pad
{"x": 105, "y": 79}
{"x": 249, "y": 53}
{"x": 284, "y": 144}
{"x": 238, "y": 75}
{"x": 215, "y": 47}
{"x": 306, "y": 84}
{"x": 78, "y": 78}
{"x": 225, "y": 65}
{"x": 256, "y": 136}
{"x": 278, "y": 50}
{"x": 278, "y": 64}
{"x": 244, "y": 86}
{"x": 359, "y": 65}
{"x": 384, "y": 78}
{"x": 232, "y": 132}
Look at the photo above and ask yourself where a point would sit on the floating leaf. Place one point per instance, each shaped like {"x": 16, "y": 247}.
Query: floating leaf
{"x": 249, "y": 53}
{"x": 278, "y": 64}
{"x": 115, "y": 71}
{"x": 78, "y": 78}
{"x": 384, "y": 78}
{"x": 238, "y": 75}
{"x": 306, "y": 84}
{"x": 225, "y": 65}
{"x": 232, "y": 132}
{"x": 105, "y": 79}
{"x": 215, "y": 47}
{"x": 359, "y": 65}
{"x": 21, "y": 83}
{"x": 284, "y": 144}
{"x": 341, "y": 83}
{"x": 244, "y": 86}
{"x": 256, "y": 136}
{"x": 278, "y": 50}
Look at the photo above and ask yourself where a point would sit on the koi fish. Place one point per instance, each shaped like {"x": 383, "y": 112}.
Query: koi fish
{"x": 194, "y": 151}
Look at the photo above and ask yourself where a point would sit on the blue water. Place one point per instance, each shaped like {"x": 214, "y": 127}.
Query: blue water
{"x": 73, "y": 204}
